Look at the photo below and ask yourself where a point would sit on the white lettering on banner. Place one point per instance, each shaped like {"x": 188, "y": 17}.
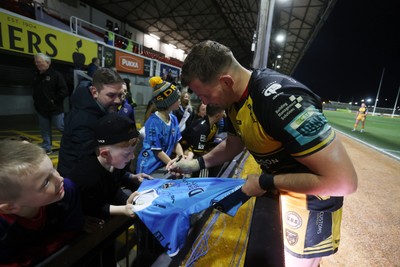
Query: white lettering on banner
{"x": 128, "y": 63}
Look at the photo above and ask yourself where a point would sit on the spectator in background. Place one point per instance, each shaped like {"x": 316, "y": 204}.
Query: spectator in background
{"x": 129, "y": 97}
{"x": 40, "y": 211}
{"x": 93, "y": 66}
{"x": 184, "y": 113}
{"x": 126, "y": 109}
{"x": 49, "y": 92}
{"x": 201, "y": 110}
{"x": 169, "y": 78}
{"x": 88, "y": 105}
{"x": 116, "y": 28}
{"x": 201, "y": 113}
{"x": 199, "y": 138}
{"x": 109, "y": 34}
{"x": 162, "y": 133}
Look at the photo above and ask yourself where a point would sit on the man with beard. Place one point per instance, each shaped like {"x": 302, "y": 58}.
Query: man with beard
{"x": 89, "y": 103}
{"x": 280, "y": 122}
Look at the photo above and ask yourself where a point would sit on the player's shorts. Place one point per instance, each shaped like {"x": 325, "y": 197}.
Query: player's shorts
{"x": 361, "y": 118}
{"x": 309, "y": 233}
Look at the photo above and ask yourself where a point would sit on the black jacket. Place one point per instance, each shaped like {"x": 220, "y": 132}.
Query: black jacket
{"x": 98, "y": 187}
{"x": 49, "y": 91}
{"x": 78, "y": 139}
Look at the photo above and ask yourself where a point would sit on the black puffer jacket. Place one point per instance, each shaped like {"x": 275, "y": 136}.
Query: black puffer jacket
{"x": 78, "y": 139}
{"x": 49, "y": 91}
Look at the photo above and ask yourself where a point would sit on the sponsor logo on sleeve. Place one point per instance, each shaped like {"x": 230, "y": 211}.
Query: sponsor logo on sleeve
{"x": 287, "y": 108}
{"x": 308, "y": 125}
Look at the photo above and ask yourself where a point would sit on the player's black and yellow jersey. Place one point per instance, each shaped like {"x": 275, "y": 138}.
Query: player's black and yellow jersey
{"x": 279, "y": 119}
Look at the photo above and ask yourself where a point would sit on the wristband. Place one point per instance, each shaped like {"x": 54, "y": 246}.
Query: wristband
{"x": 201, "y": 162}
{"x": 266, "y": 182}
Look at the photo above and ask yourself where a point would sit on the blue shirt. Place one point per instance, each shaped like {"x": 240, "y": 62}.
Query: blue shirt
{"x": 160, "y": 136}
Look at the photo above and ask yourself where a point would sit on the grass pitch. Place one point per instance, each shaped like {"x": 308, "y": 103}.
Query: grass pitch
{"x": 380, "y": 131}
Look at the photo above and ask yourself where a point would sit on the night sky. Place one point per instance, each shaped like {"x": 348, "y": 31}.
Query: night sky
{"x": 346, "y": 59}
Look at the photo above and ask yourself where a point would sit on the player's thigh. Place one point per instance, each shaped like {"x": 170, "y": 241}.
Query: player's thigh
{"x": 309, "y": 233}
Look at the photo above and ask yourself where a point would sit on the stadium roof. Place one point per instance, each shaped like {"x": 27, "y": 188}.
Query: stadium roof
{"x": 233, "y": 23}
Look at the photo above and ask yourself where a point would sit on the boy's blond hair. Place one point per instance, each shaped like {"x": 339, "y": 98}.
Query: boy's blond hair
{"x": 17, "y": 159}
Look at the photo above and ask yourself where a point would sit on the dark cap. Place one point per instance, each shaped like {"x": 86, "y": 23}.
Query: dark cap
{"x": 114, "y": 128}
{"x": 165, "y": 94}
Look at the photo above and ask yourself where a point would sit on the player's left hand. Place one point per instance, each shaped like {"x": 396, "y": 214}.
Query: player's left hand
{"x": 252, "y": 186}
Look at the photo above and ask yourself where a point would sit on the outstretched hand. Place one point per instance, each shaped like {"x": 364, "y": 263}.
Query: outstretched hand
{"x": 141, "y": 176}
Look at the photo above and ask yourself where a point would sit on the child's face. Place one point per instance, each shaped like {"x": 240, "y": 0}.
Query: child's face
{"x": 43, "y": 187}
{"x": 121, "y": 156}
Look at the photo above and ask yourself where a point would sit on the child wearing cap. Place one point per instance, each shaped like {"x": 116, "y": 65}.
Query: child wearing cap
{"x": 40, "y": 211}
{"x": 100, "y": 176}
{"x": 162, "y": 133}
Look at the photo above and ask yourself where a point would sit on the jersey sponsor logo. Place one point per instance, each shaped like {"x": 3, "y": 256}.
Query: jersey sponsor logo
{"x": 320, "y": 222}
{"x": 308, "y": 125}
{"x": 267, "y": 162}
{"x": 271, "y": 89}
{"x": 286, "y": 109}
{"x": 253, "y": 118}
{"x": 293, "y": 220}
{"x": 291, "y": 237}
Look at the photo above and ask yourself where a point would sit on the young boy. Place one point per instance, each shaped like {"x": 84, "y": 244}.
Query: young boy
{"x": 101, "y": 176}
{"x": 40, "y": 211}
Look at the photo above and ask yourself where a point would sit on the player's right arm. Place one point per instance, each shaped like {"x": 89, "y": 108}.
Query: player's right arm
{"x": 223, "y": 152}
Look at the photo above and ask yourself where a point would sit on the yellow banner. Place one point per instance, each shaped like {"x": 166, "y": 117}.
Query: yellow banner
{"x": 29, "y": 37}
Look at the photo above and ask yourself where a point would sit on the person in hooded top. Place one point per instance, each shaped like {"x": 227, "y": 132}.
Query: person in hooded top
{"x": 89, "y": 103}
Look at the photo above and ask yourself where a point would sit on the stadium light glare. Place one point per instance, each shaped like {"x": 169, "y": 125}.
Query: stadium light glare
{"x": 280, "y": 38}
{"x": 154, "y": 36}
